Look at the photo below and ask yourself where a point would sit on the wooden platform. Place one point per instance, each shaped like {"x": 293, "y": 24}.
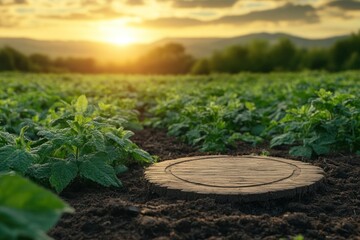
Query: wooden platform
{"x": 233, "y": 178}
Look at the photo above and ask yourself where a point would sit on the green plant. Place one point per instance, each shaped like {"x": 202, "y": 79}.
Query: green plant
{"x": 27, "y": 211}
{"x": 329, "y": 122}
{"x": 80, "y": 144}
{"x": 15, "y": 152}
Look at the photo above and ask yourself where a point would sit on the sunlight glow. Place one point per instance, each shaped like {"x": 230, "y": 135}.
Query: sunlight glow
{"x": 120, "y": 39}
{"x": 118, "y": 33}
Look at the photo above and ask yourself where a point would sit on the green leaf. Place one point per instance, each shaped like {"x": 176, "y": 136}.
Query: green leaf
{"x": 81, "y": 104}
{"x": 127, "y": 134}
{"x": 15, "y": 226}
{"x": 116, "y": 139}
{"x": 120, "y": 169}
{"x": 95, "y": 168}
{"x": 286, "y": 138}
{"x": 6, "y": 138}
{"x": 142, "y": 156}
{"x": 98, "y": 140}
{"x": 15, "y": 159}
{"x": 40, "y": 171}
{"x": 27, "y": 211}
{"x": 47, "y": 134}
{"x": 62, "y": 173}
{"x": 301, "y": 151}
{"x": 21, "y": 140}
{"x": 298, "y": 237}
{"x": 250, "y": 106}
{"x": 44, "y": 150}
{"x": 321, "y": 149}
{"x": 247, "y": 137}
{"x": 257, "y": 130}
{"x": 326, "y": 139}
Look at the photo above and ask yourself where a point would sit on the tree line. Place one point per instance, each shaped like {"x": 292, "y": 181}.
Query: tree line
{"x": 260, "y": 56}
{"x": 168, "y": 59}
{"x": 257, "y": 56}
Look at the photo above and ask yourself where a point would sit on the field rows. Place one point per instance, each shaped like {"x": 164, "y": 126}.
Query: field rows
{"x": 58, "y": 129}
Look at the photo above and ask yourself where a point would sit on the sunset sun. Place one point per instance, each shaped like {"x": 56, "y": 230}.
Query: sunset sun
{"x": 121, "y": 39}
{"x": 119, "y": 34}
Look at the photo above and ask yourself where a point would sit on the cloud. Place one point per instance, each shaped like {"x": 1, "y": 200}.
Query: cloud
{"x": 8, "y": 20}
{"x": 341, "y": 9}
{"x": 350, "y": 5}
{"x": 95, "y": 2}
{"x": 172, "y": 22}
{"x": 12, "y": 2}
{"x": 70, "y": 16}
{"x": 106, "y": 12}
{"x": 201, "y": 3}
{"x": 135, "y": 2}
{"x": 285, "y": 13}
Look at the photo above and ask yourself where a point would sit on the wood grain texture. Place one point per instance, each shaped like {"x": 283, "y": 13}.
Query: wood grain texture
{"x": 233, "y": 178}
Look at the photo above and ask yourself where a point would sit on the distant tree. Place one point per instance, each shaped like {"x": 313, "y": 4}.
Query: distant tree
{"x": 6, "y": 60}
{"x": 315, "y": 59}
{"x": 232, "y": 59}
{"x": 201, "y": 67}
{"x": 259, "y": 60}
{"x": 11, "y": 59}
{"x": 343, "y": 50}
{"x": 283, "y": 55}
{"x": 168, "y": 59}
{"x": 41, "y": 62}
{"x": 21, "y": 61}
{"x": 353, "y": 63}
{"x": 78, "y": 65}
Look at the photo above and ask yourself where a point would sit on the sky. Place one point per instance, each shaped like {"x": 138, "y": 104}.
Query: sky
{"x": 140, "y": 21}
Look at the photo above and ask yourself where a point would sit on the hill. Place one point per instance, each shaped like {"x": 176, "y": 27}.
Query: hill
{"x": 104, "y": 52}
{"x": 205, "y": 46}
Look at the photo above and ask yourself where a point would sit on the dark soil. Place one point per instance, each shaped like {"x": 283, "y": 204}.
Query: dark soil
{"x": 134, "y": 212}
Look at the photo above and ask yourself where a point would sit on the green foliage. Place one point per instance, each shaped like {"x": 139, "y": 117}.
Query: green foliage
{"x": 216, "y": 114}
{"x": 72, "y": 142}
{"x": 79, "y": 143}
{"x": 27, "y": 211}
{"x": 94, "y": 168}
{"x": 11, "y": 59}
{"x": 298, "y": 237}
{"x": 62, "y": 173}
{"x": 283, "y": 55}
{"x": 66, "y": 135}
{"x": 15, "y": 153}
{"x": 168, "y": 59}
{"x": 328, "y": 122}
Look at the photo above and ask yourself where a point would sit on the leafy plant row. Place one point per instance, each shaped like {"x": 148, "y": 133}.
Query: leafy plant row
{"x": 78, "y": 143}
{"x": 312, "y": 115}
{"x": 54, "y": 137}
{"x": 54, "y": 143}
{"x": 213, "y": 112}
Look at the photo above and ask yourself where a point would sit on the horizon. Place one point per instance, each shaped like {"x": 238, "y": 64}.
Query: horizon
{"x": 174, "y": 37}
{"x": 129, "y": 22}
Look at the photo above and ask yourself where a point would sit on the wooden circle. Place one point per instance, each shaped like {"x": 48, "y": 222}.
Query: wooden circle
{"x": 233, "y": 178}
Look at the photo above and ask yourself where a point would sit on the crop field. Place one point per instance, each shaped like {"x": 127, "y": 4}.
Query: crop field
{"x": 78, "y": 145}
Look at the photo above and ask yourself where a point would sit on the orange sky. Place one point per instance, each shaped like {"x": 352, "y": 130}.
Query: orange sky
{"x": 128, "y": 21}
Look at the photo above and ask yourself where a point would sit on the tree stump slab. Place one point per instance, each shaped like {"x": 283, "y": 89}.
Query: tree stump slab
{"x": 233, "y": 178}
